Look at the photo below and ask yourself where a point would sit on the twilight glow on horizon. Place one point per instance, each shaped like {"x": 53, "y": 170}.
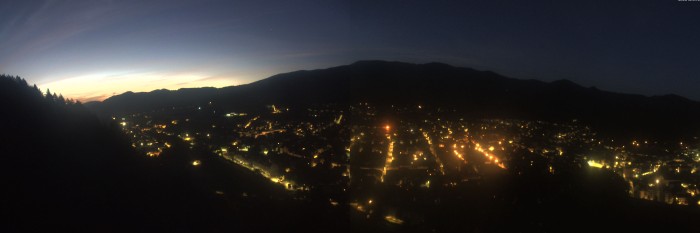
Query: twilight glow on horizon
{"x": 91, "y": 50}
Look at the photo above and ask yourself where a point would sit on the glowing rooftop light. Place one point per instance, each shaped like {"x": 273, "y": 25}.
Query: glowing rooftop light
{"x": 196, "y": 163}
{"x": 595, "y": 164}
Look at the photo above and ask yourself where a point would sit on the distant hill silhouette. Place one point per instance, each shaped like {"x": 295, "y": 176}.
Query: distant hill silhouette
{"x": 472, "y": 92}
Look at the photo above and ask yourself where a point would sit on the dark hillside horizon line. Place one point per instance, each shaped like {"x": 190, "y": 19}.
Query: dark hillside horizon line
{"x": 563, "y": 82}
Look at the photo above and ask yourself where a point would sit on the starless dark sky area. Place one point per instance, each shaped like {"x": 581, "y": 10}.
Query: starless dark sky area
{"x": 95, "y": 48}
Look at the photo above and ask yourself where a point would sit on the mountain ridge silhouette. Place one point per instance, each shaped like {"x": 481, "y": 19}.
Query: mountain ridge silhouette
{"x": 479, "y": 94}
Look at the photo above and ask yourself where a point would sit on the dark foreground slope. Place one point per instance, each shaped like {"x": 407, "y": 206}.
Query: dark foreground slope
{"x": 62, "y": 170}
{"x": 471, "y": 92}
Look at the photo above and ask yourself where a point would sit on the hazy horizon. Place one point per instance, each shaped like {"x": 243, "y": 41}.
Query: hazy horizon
{"x": 102, "y": 98}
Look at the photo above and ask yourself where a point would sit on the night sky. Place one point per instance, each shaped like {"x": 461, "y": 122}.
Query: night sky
{"x": 93, "y": 49}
